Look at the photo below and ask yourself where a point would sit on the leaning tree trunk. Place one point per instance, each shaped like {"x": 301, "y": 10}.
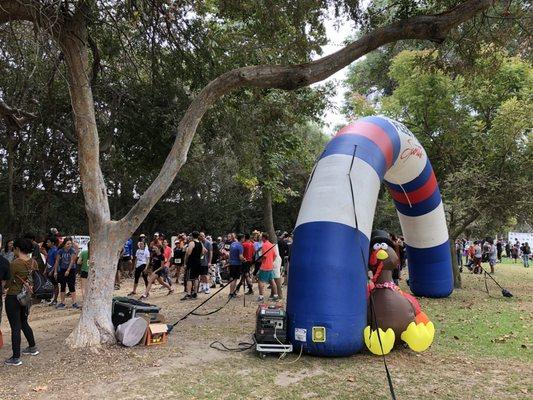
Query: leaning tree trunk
{"x": 268, "y": 216}
{"x": 94, "y": 326}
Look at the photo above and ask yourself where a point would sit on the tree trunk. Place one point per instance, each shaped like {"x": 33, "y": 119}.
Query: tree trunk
{"x": 94, "y": 326}
{"x": 457, "y": 282}
{"x": 268, "y": 216}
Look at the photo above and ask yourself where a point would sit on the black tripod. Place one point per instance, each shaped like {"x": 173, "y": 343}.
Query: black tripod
{"x": 505, "y": 292}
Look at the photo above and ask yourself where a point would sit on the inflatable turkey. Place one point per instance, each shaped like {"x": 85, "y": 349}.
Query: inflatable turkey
{"x": 395, "y": 314}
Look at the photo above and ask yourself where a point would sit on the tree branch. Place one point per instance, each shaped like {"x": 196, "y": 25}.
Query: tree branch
{"x": 427, "y": 27}
{"x": 466, "y": 222}
{"x": 15, "y": 117}
{"x": 13, "y": 10}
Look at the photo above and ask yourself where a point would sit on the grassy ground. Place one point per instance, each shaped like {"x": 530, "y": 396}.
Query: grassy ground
{"x": 482, "y": 350}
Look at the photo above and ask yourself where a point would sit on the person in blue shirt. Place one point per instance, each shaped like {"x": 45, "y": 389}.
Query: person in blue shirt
{"x": 235, "y": 263}
{"x": 65, "y": 272}
{"x": 125, "y": 265}
{"x": 51, "y": 255}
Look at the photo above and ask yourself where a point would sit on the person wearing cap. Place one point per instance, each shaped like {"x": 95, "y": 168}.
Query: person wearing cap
{"x": 142, "y": 238}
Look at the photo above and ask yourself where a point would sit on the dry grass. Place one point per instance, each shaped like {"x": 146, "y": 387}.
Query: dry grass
{"x": 482, "y": 351}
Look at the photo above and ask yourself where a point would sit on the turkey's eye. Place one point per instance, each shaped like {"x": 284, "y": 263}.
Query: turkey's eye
{"x": 377, "y": 246}
{"x": 384, "y": 246}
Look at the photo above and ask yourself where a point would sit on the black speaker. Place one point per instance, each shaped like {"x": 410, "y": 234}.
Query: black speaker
{"x": 124, "y": 309}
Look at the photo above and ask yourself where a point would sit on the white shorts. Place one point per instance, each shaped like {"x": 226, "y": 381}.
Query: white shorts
{"x": 276, "y": 270}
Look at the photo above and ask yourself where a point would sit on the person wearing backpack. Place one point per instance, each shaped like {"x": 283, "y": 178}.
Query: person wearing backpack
{"x": 20, "y": 274}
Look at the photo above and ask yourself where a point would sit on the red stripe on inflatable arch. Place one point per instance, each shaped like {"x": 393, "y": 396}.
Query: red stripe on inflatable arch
{"x": 374, "y": 133}
{"x": 418, "y": 195}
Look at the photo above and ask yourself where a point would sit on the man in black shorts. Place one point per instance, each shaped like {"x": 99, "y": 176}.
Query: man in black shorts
{"x": 193, "y": 256}
{"x": 236, "y": 259}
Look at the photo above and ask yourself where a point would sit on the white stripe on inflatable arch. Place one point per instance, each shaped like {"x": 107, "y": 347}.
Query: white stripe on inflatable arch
{"x": 426, "y": 230}
{"x": 328, "y": 197}
{"x": 411, "y": 160}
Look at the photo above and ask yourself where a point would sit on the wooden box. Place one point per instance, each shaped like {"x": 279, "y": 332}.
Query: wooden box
{"x": 156, "y": 334}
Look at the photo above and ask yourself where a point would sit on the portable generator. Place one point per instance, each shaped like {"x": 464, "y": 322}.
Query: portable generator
{"x": 271, "y": 330}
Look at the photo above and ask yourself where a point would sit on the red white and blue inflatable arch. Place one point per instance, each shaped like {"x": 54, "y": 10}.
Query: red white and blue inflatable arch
{"x": 326, "y": 305}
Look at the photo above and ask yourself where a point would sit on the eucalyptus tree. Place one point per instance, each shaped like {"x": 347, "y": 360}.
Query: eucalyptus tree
{"x": 70, "y": 24}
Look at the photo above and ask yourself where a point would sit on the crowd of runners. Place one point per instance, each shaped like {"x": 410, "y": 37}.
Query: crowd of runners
{"x": 198, "y": 262}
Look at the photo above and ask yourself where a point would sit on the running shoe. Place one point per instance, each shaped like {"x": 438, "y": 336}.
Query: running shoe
{"x": 52, "y": 303}
{"x": 186, "y": 297}
{"x": 61, "y": 306}
{"x": 76, "y": 306}
{"x": 30, "y": 351}
{"x": 13, "y": 361}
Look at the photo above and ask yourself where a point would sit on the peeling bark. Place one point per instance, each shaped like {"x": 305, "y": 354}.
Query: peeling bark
{"x": 94, "y": 326}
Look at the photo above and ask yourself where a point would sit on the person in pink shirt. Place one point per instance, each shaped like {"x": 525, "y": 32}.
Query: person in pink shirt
{"x": 266, "y": 274}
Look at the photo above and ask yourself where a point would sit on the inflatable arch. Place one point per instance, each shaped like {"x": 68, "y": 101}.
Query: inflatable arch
{"x": 326, "y": 305}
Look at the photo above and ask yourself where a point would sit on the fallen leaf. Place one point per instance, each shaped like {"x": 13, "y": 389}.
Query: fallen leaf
{"x": 40, "y": 388}
{"x": 350, "y": 380}
{"x": 456, "y": 337}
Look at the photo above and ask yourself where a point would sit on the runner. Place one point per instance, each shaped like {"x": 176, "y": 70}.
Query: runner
{"x": 159, "y": 272}
{"x": 51, "y": 256}
{"x": 235, "y": 263}
{"x": 83, "y": 262}
{"x": 178, "y": 257}
{"x": 65, "y": 272}
{"x": 193, "y": 254}
{"x": 266, "y": 275}
{"x": 205, "y": 263}
{"x": 142, "y": 259}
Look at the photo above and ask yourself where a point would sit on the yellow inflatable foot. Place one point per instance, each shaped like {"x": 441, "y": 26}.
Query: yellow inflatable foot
{"x": 372, "y": 340}
{"x": 419, "y": 336}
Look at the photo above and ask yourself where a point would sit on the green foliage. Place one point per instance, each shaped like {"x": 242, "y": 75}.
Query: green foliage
{"x": 474, "y": 120}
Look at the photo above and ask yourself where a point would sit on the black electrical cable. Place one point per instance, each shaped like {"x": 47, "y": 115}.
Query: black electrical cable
{"x": 371, "y": 302}
{"x": 170, "y": 327}
{"x": 242, "y": 346}
{"x": 192, "y": 312}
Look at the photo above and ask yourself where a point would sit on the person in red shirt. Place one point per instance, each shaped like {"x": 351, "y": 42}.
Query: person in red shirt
{"x": 248, "y": 254}
{"x": 266, "y": 274}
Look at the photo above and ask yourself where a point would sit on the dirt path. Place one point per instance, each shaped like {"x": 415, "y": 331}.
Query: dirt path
{"x": 188, "y": 368}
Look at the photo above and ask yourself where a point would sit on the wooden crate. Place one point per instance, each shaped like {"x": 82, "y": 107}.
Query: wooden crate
{"x": 156, "y": 334}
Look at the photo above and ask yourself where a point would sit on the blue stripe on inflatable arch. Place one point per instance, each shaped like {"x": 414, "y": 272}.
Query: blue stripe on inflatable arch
{"x": 367, "y": 151}
{"x": 427, "y": 277}
{"x": 420, "y": 208}
{"x": 328, "y": 291}
{"x": 416, "y": 183}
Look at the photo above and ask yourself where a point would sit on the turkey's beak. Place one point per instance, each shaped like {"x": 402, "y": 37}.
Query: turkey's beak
{"x": 382, "y": 255}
